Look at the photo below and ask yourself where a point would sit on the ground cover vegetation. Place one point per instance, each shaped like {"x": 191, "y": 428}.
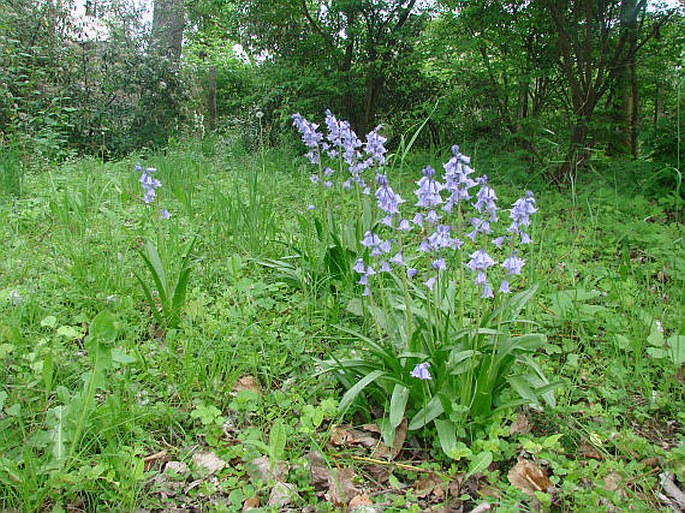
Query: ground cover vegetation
{"x": 390, "y": 256}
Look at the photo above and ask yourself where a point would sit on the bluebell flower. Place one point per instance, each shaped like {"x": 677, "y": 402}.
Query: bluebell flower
{"x": 480, "y": 262}
{"x": 374, "y": 146}
{"x": 457, "y": 180}
{"x": 421, "y": 371}
{"x": 520, "y": 214}
{"x": 428, "y": 193}
{"x": 487, "y": 292}
{"x": 404, "y": 225}
{"x": 485, "y": 198}
{"x": 310, "y": 136}
{"x": 498, "y": 241}
{"x": 439, "y": 264}
{"x": 164, "y": 213}
{"x": 397, "y": 259}
{"x": 411, "y": 272}
{"x": 504, "y": 287}
{"x": 148, "y": 182}
{"x": 388, "y": 200}
{"x": 513, "y": 264}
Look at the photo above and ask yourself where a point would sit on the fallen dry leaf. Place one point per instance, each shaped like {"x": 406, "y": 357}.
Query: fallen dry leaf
{"x": 268, "y": 472}
{"x": 208, "y": 461}
{"x": 528, "y": 477}
{"x": 481, "y": 508}
{"x": 390, "y": 453}
{"x": 341, "y": 487}
{"x": 360, "y": 501}
{"x": 612, "y": 481}
{"x": 282, "y": 494}
{"x": 588, "y": 451}
{"x": 251, "y": 503}
{"x": 150, "y": 460}
{"x": 320, "y": 474}
{"x": 672, "y": 491}
{"x": 246, "y": 383}
{"x": 347, "y": 436}
{"x": 429, "y": 484}
{"x": 520, "y": 426}
{"x": 177, "y": 467}
{"x": 650, "y": 462}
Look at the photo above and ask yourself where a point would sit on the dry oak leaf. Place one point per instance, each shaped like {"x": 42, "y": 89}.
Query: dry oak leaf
{"x": 265, "y": 471}
{"x": 390, "y": 453}
{"x": 177, "y": 467}
{"x": 319, "y": 470}
{"x": 209, "y": 462}
{"x": 347, "y": 436}
{"x": 282, "y": 494}
{"x": 520, "y": 426}
{"x": 360, "y": 501}
{"x": 251, "y": 503}
{"x": 528, "y": 477}
{"x": 341, "y": 487}
{"x": 246, "y": 383}
{"x": 430, "y": 484}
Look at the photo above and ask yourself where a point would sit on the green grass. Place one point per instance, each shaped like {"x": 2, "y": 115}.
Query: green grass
{"x": 87, "y": 399}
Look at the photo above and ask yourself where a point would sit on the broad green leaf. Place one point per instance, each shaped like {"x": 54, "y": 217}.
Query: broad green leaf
{"x": 427, "y": 414}
{"x": 57, "y": 422}
{"x": 353, "y": 392}
{"x": 398, "y": 405}
{"x": 479, "y": 463}
{"x": 48, "y": 368}
{"x": 104, "y": 327}
{"x": 277, "y": 440}
{"x": 458, "y": 361}
{"x": 622, "y": 342}
{"x": 49, "y": 322}
{"x": 655, "y": 338}
{"x": 521, "y": 387}
{"x": 657, "y": 352}
{"x": 447, "y": 434}
{"x": 676, "y": 343}
{"x": 120, "y": 357}
{"x": 69, "y": 332}
{"x": 552, "y": 440}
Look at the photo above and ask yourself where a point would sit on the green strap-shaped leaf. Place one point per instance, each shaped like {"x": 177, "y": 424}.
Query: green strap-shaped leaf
{"x": 354, "y": 391}
{"x": 447, "y": 434}
{"x": 398, "y": 404}
{"x": 427, "y": 414}
{"x": 479, "y": 463}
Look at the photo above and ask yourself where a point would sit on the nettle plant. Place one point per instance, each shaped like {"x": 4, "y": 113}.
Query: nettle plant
{"x": 437, "y": 279}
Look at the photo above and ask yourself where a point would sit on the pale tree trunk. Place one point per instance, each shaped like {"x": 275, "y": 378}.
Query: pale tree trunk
{"x": 168, "y": 22}
{"x": 211, "y": 98}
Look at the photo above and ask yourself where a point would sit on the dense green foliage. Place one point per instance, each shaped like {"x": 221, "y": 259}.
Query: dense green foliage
{"x": 555, "y": 80}
{"x": 103, "y": 405}
{"x": 207, "y": 340}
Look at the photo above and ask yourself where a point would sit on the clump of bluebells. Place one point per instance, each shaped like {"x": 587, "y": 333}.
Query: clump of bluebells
{"x": 150, "y": 184}
{"x": 437, "y": 276}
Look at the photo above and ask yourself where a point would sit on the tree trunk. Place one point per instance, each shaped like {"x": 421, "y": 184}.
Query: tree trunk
{"x": 625, "y": 101}
{"x": 211, "y": 98}
{"x": 658, "y": 103}
{"x": 168, "y": 22}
